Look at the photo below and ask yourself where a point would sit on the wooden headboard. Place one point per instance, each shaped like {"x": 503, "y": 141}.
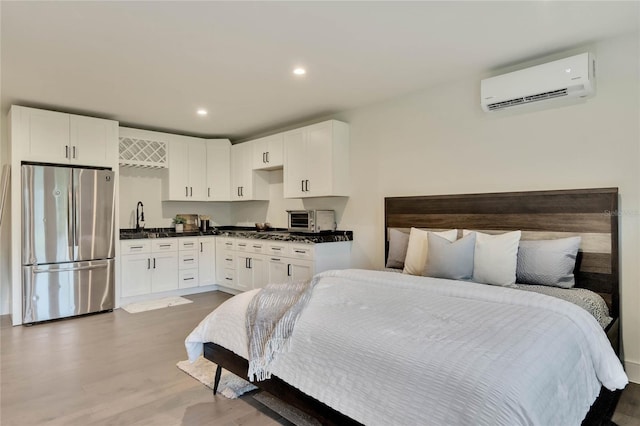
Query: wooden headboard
{"x": 589, "y": 213}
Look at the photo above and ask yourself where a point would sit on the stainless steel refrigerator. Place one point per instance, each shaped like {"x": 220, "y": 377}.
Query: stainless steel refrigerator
{"x": 68, "y": 238}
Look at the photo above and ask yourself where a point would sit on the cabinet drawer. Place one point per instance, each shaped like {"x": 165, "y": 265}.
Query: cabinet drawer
{"x": 188, "y": 278}
{"x": 243, "y": 245}
{"x": 188, "y": 259}
{"x": 229, "y": 278}
{"x": 225, "y": 243}
{"x": 301, "y": 251}
{"x": 257, "y": 246}
{"x": 228, "y": 260}
{"x": 135, "y": 247}
{"x": 164, "y": 244}
{"x": 187, "y": 243}
{"x": 277, "y": 249}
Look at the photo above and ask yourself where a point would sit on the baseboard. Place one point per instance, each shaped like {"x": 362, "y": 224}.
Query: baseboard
{"x": 633, "y": 371}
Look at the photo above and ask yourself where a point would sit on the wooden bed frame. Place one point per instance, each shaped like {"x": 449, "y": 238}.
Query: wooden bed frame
{"x": 590, "y": 213}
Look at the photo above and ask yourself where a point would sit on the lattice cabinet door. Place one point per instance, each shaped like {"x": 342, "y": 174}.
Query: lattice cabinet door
{"x": 137, "y": 152}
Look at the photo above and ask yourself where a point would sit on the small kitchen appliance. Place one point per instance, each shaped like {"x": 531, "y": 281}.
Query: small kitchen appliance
{"x": 312, "y": 221}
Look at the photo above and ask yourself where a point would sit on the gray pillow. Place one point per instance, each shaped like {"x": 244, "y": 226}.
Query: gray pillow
{"x": 548, "y": 262}
{"x": 398, "y": 242}
{"x": 452, "y": 260}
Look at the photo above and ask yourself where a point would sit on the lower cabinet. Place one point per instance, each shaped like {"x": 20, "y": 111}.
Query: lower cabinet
{"x": 245, "y": 264}
{"x": 149, "y": 266}
{"x": 206, "y": 261}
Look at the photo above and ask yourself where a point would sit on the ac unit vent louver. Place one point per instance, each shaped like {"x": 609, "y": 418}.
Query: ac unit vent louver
{"x": 528, "y": 99}
{"x": 572, "y": 77}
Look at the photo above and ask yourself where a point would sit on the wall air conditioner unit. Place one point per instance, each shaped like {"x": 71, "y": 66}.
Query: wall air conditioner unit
{"x": 572, "y": 77}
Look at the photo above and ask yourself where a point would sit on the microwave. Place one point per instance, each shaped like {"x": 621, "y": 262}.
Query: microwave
{"x": 312, "y": 220}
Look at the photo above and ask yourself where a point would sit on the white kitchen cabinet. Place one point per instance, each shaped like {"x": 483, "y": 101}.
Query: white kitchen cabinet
{"x": 268, "y": 152}
{"x": 188, "y": 262}
{"x": 206, "y": 261}
{"x": 246, "y": 184}
{"x": 218, "y": 180}
{"x": 148, "y": 266}
{"x": 60, "y": 138}
{"x": 187, "y": 173}
{"x": 136, "y": 278}
{"x": 316, "y": 160}
{"x": 226, "y": 262}
{"x": 244, "y": 264}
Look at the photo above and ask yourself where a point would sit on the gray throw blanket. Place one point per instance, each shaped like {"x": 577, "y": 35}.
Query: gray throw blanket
{"x": 271, "y": 316}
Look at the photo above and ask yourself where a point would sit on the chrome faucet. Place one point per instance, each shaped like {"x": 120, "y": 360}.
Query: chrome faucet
{"x": 139, "y": 216}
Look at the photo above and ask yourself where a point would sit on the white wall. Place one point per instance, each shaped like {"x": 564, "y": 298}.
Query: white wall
{"x": 138, "y": 184}
{"x": 440, "y": 142}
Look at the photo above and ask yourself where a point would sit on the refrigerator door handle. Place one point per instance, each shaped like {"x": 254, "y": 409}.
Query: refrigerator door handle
{"x": 77, "y": 268}
{"x": 71, "y": 213}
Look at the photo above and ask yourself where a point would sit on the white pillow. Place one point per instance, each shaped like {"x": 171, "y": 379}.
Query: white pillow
{"x": 418, "y": 247}
{"x": 495, "y": 258}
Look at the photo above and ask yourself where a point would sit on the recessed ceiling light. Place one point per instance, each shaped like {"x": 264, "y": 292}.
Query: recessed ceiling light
{"x": 299, "y": 71}
{"x": 202, "y": 112}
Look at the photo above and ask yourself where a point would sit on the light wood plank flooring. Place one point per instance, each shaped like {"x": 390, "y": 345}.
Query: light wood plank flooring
{"x": 119, "y": 369}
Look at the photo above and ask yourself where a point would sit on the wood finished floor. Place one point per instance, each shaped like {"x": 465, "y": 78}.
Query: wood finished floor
{"x": 119, "y": 369}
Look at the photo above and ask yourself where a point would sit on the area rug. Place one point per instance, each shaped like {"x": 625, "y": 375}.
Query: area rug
{"x": 204, "y": 371}
{"x": 134, "y": 308}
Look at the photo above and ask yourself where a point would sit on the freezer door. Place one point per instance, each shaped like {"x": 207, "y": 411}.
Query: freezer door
{"x": 47, "y": 223}
{"x": 94, "y": 201}
{"x": 65, "y": 290}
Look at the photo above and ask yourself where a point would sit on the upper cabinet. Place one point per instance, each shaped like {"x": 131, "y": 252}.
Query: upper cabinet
{"x": 218, "y": 181}
{"x": 268, "y": 152}
{"x": 316, "y": 160}
{"x": 246, "y": 184}
{"x": 55, "y": 137}
{"x": 187, "y": 169}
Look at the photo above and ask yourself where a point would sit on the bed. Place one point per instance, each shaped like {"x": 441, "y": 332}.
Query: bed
{"x": 430, "y": 391}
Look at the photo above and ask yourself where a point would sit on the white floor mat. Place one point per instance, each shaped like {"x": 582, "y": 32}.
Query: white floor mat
{"x": 134, "y": 308}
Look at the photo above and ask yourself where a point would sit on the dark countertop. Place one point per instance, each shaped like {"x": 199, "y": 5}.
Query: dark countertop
{"x": 276, "y": 234}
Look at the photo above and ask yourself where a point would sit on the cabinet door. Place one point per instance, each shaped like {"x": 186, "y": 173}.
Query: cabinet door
{"x": 319, "y": 171}
{"x": 178, "y": 171}
{"x": 136, "y": 274}
{"x": 295, "y": 164}
{"x": 206, "y": 261}
{"x": 300, "y": 270}
{"x": 197, "y": 171}
{"x": 244, "y": 273}
{"x": 237, "y": 172}
{"x": 164, "y": 267}
{"x": 260, "y": 272}
{"x": 46, "y": 135}
{"x": 93, "y": 141}
{"x": 259, "y": 153}
{"x": 218, "y": 183}
{"x": 277, "y": 270}
{"x": 267, "y": 152}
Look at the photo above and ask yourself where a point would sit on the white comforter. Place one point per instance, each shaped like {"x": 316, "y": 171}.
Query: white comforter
{"x": 391, "y": 349}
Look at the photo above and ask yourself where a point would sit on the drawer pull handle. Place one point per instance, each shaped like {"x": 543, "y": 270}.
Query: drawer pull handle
{"x": 276, "y": 248}
{"x": 189, "y": 259}
{"x": 300, "y": 251}
{"x": 275, "y": 260}
{"x": 257, "y": 246}
{"x": 187, "y": 279}
{"x": 228, "y": 279}
{"x": 188, "y": 244}
{"x": 165, "y": 245}
{"x": 228, "y": 244}
{"x": 135, "y": 247}
{"x": 227, "y": 259}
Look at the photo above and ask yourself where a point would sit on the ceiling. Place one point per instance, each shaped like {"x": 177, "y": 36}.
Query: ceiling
{"x": 152, "y": 64}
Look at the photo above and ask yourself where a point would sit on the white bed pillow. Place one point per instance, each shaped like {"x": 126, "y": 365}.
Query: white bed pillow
{"x": 418, "y": 247}
{"x": 495, "y": 258}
